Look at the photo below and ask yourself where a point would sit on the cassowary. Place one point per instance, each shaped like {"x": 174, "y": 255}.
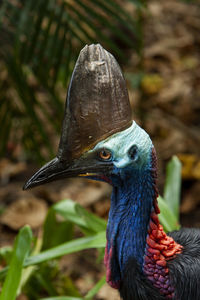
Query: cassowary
{"x": 100, "y": 141}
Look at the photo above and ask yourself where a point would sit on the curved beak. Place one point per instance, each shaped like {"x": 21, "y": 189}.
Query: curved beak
{"x": 57, "y": 169}
{"x": 97, "y": 106}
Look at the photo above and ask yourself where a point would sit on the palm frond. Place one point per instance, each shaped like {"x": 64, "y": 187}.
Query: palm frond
{"x": 41, "y": 40}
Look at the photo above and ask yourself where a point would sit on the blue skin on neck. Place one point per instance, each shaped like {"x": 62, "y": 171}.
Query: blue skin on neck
{"x": 131, "y": 206}
{"x": 132, "y": 197}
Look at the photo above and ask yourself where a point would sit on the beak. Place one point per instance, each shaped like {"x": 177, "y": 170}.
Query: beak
{"x": 57, "y": 169}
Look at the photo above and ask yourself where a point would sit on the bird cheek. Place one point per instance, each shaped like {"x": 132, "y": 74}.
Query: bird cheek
{"x": 122, "y": 163}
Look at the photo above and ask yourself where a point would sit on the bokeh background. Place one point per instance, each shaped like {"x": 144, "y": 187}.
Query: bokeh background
{"x": 157, "y": 44}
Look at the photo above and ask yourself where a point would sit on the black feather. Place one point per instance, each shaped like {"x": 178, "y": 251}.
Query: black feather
{"x": 135, "y": 286}
{"x": 184, "y": 272}
{"x": 185, "y": 267}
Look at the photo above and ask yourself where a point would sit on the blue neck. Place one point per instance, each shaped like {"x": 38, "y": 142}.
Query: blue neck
{"x": 129, "y": 216}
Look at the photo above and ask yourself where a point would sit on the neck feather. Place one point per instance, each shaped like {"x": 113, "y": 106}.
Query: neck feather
{"x": 134, "y": 231}
{"x": 133, "y": 199}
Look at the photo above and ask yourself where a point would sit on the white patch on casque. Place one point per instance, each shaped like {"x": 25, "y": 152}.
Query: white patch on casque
{"x": 120, "y": 143}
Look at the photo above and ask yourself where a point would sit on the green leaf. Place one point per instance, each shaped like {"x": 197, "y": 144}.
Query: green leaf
{"x": 166, "y": 217}
{"x": 173, "y": 185}
{"x": 3, "y": 273}
{"x": 46, "y": 284}
{"x": 69, "y": 287}
{"x": 59, "y": 231}
{"x": 28, "y": 272}
{"x": 95, "y": 241}
{"x": 96, "y": 288}
{"x": 21, "y": 249}
{"x": 75, "y": 213}
{"x": 6, "y": 254}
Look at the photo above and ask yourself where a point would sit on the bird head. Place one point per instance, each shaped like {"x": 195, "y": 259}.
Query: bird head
{"x": 99, "y": 140}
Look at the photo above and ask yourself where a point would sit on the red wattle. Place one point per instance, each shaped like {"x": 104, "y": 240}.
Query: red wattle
{"x": 159, "y": 250}
{"x": 107, "y": 262}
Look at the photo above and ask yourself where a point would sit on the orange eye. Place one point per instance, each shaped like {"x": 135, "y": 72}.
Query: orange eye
{"x": 105, "y": 154}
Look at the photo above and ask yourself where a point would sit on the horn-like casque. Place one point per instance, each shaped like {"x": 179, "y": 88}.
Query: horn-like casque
{"x": 97, "y": 103}
{"x": 97, "y": 106}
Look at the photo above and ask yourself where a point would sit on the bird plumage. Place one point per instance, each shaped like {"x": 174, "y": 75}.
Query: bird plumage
{"x": 184, "y": 271}
{"x": 142, "y": 262}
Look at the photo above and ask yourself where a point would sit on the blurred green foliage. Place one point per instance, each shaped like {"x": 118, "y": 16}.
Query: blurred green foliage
{"x": 20, "y": 252}
{"x": 37, "y": 273}
{"x": 40, "y": 42}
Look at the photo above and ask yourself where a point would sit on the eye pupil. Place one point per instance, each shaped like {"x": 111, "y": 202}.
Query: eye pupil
{"x": 133, "y": 152}
{"x": 105, "y": 154}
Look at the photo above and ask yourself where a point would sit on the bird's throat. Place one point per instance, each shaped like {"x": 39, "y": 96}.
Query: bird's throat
{"x": 132, "y": 202}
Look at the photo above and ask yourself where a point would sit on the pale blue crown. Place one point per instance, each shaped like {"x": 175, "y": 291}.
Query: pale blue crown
{"x": 120, "y": 143}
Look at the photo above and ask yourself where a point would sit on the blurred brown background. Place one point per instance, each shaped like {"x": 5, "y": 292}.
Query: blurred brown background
{"x": 163, "y": 78}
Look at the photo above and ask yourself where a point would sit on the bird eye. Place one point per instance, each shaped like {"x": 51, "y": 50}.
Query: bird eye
{"x": 133, "y": 152}
{"x": 105, "y": 154}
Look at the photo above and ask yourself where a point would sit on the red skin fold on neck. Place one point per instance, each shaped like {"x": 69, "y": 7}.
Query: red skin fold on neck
{"x": 159, "y": 250}
{"x": 107, "y": 262}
